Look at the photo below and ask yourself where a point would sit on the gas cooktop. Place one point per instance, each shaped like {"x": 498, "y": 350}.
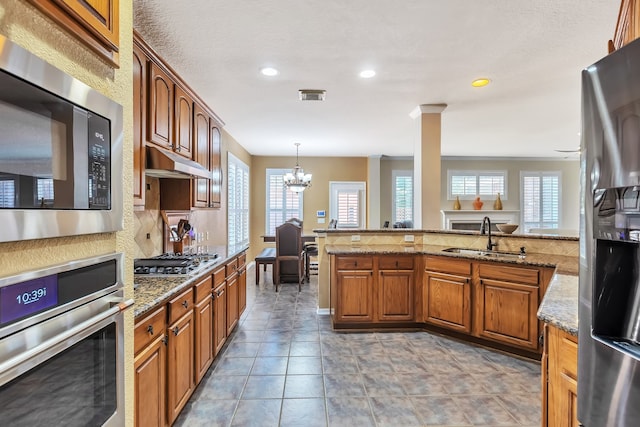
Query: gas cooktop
{"x": 173, "y": 264}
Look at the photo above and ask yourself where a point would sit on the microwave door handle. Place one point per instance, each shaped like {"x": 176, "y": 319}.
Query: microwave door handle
{"x": 7, "y": 366}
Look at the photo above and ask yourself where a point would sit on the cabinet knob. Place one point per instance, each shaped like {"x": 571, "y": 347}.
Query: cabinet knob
{"x": 185, "y": 304}
{"x": 355, "y": 263}
{"x": 178, "y": 148}
{"x": 165, "y": 340}
{"x": 176, "y": 330}
{"x": 150, "y": 329}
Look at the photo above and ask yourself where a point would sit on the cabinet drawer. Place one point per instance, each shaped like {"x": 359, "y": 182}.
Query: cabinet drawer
{"x": 203, "y": 288}
{"x": 354, "y": 263}
{"x": 395, "y": 263}
{"x": 232, "y": 267}
{"x": 448, "y": 265}
{"x": 219, "y": 276}
{"x": 180, "y": 305}
{"x": 149, "y": 328}
{"x": 242, "y": 259}
{"x": 530, "y": 276}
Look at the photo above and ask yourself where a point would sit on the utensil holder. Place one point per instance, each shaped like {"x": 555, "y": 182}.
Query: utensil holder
{"x": 178, "y": 247}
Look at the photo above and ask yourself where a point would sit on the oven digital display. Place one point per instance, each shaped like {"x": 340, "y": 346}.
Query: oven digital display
{"x": 22, "y": 299}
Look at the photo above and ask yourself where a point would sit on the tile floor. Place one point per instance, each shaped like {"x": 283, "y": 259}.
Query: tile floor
{"x": 284, "y": 366}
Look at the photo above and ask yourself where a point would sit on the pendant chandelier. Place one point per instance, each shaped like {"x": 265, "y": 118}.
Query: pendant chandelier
{"x": 296, "y": 180}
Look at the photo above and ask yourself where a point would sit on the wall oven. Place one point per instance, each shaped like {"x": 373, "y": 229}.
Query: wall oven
{"x": 60, "y": 152}
{"x": 61, "y": 345}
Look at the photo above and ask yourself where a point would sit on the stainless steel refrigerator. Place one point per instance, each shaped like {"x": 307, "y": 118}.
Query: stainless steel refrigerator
{"x": 609, "y": 306}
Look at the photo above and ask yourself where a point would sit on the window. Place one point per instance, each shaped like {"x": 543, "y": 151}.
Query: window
{"x": 468, "y": 184}
{"x": 347, "y": 204}
{"x": 238, "y": 202}
{"x": 402, "y": 195}
{"x": 540, "y": 200}
{"x": 45, "y": 191}
{"x": 7, "y": 193}
{"x": 282, "y": 204}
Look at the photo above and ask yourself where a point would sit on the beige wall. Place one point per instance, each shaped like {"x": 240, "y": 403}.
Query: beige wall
{"x": 25, "y": 26}
{"x": 324, "y": 169}
{"x": 387, "y": 166}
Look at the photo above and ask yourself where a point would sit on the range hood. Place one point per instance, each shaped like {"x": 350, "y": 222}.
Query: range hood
{"x": 166, "y": 164}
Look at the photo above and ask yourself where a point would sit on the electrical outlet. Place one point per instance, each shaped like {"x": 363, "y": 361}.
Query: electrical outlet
{"x": 355, "y": 237}
{"x": 148, "y": 235}
{"x": 409, "y": 238}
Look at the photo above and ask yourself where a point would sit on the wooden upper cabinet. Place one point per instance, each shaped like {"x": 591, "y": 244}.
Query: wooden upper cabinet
{"x": 160, "y": 125}
{"x": 201, "y": 154}
{"x": 628, "y": 26}
{"x": 93, "y": 22}
{"x": 215, "y": 184}
{"x": 183, "y": 125}
{"x": 139, "y": 124}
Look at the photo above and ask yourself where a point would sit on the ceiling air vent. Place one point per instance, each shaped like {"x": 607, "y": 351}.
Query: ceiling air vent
{"x": 312, "y": 94}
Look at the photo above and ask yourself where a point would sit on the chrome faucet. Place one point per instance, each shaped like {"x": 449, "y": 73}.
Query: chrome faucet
{"x": 486, "y": 228}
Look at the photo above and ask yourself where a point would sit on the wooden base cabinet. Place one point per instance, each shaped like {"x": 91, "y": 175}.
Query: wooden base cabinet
{"x": 242, "y": 289}
{"x": 203, "y": 320}
{"x": 219, "y": 310}
{"x": 395, "y": 289}
{"x": 354, "y": 289}
{"x": 560, "y": 379}
{"x": 507, "y": 305}
{"x": 447, "y": 293}
{"x": 150, "y": 365}
{"x": 180, "y": 357}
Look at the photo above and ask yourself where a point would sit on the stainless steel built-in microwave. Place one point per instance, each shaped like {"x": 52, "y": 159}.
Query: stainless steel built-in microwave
{"x": 60, "y": 152}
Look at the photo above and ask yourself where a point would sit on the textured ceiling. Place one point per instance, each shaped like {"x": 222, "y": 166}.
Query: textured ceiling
{"x": 424, "y": 51}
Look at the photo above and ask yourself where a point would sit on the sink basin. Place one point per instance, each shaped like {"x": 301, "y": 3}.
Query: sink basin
{"x": 484, "y": 253}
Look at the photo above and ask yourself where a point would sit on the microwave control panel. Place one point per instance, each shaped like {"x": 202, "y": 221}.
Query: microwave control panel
{"x": 99, "y": 162}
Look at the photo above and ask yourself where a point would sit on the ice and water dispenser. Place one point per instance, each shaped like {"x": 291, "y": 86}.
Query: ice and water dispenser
{"x": 616, "y": 292}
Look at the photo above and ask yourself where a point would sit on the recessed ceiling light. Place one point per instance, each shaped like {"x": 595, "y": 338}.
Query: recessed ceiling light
{"x": 269, "y": 71}
{"x": 367, "y": 74}
{"x": 480, "y": 82}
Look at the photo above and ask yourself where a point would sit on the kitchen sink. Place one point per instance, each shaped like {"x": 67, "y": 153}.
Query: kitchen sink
{"x": 484, "y": 253}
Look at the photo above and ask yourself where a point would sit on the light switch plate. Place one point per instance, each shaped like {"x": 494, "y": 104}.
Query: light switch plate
{"x": 355, "y": 237}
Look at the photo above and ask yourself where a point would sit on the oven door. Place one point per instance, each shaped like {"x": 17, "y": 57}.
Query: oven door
{"x": 68, "y": 370}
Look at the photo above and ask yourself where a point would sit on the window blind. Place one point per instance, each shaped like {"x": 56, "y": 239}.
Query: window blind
{"x": 237, "y": 202}
{"x": 469, "y": 184}
{"x": 282, "y": 204}
{"x": 402, "y": 196}
{"x": 540, "y": 200}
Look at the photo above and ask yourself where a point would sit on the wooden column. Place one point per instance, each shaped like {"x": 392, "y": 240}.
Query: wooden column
{"x": 426, "y": 165}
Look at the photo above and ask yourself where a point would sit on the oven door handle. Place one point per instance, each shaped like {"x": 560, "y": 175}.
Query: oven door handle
{"x": 16, "y": 361}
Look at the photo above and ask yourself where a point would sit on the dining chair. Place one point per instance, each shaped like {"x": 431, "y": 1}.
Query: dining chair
{"x": 289, "y": 254}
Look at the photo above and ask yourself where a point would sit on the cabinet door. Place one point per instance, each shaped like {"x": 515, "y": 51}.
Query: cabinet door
{"x": 242, "y": 290}
{"x": 232, "y": 302}
{"x": 447, "y": 301}
{"x": 160, "y": 129}
{"x": 139, "y": 124}
{"x": 219, "y": 317}
{"x": 563, "y": 378}
{"x": 180, "y": 370}
{"x": 201, "y": 154}
{"x": 183, "y": 123}
{"x": 215, "y": 184}
{"x": 94, "y": 22}
{"x": 506, "y": 312}
{"x": 204, "y": 337}
{"x": 395, "y": 295}
{"x": 354, "y": 296}
{"x": 149, "y": 384}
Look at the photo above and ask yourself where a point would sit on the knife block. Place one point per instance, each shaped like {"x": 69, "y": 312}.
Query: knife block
{"x": 178, "y": 247}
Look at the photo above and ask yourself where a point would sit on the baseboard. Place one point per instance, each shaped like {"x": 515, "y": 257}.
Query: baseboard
{"x": 323, "y": 311}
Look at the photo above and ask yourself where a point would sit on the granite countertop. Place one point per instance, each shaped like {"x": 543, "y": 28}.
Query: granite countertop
{"x": 457, "y": 232}
{"x": 559, "y": 306}
{"x": 562, "y": 264}
{"x": 151, "y": 291}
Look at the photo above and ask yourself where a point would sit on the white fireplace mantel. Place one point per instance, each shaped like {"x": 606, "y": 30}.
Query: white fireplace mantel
{"x": 450, "y": 217}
